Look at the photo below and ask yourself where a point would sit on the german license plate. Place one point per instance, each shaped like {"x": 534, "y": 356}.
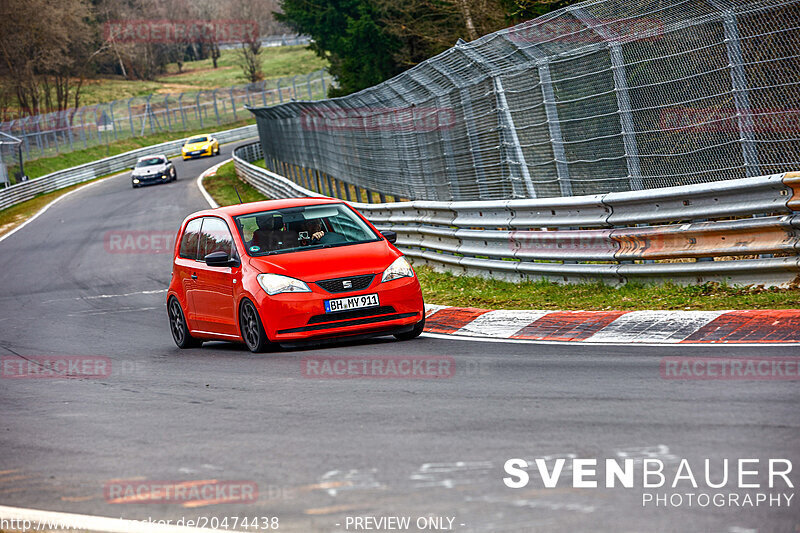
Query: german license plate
{"x": 353, "y": 302}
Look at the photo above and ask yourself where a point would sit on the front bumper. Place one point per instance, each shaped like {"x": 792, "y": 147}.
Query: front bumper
{"x": 191, "y": 154}
{"x": 150, "y": 179}
{"x": 301, "y": 316}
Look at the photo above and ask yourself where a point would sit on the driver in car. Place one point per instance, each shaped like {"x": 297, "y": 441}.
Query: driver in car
{"x": 312, "y": 230}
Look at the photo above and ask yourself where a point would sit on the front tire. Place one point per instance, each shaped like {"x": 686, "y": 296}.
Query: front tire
{"x": 252, "y": 330}
{"x": 178, "y": 326}
{"x": 414, "y": 333}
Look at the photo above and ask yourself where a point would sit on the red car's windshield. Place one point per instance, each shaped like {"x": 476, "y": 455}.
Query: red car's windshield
{"x": 300, "y": 228}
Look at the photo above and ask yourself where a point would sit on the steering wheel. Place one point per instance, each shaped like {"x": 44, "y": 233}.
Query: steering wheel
{"x": 332, "y": 238}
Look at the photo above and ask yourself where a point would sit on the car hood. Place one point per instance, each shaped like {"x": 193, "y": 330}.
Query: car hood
{"x": 196, "y": 146}
{"x": 328, "y": 263}
{"x": 146, "y": 171}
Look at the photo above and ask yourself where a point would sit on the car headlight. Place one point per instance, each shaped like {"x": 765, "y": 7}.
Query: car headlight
{"x": 399, "y": 269}
{"x": 275, "y": 284}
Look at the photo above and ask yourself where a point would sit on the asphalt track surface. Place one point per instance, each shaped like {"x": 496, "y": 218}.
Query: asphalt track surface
{"x": 321, "y": 450}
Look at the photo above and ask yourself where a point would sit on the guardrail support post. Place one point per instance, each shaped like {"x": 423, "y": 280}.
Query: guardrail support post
{"x": 330, "y": 187}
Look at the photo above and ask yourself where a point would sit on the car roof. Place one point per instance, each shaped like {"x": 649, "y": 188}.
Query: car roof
{"x": 198, "y": 135}
{"x": 265, "y": 205}
{"x": 160, "y": 156}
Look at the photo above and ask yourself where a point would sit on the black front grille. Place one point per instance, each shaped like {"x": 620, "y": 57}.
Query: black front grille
{"x": 347, "y": 315}
{"x": 357, "y": 283}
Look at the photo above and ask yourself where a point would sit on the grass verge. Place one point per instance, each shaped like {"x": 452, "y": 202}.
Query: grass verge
{"x": 220, "y": 187}
{"x": 465, "y": 291}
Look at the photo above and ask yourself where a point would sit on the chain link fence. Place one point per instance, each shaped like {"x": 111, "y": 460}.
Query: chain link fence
{"x": 74, "y": 129}
{"x": 602, "y": 96}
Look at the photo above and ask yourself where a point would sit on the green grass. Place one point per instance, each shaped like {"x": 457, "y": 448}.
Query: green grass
{"x": 466, "y": 291}
{"x": 447, "y": 289}
{"x": 220, "y": 187}
{"x": 46, "y": 165}
{"x": 277, "y": 62}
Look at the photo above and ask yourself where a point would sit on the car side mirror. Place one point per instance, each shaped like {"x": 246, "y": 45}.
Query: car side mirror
{"x": 220, "y": 259}
{"x": 391, "y": 236}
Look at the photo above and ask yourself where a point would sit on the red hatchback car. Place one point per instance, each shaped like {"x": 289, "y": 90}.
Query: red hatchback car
{"x": 288, "y": 272}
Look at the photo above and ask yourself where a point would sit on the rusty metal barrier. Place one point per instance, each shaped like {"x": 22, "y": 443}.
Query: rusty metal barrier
{"x": 744, "y": 231}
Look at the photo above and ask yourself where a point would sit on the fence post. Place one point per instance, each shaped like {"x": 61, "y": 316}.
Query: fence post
{"x": 197, "y": 109}
{"x": 83, "y": 128}
{"x": 181, "y": 111}
{"x": 113, "y": 122}
{"x": 621, "y": 89}
{"x": 166, "y": 107}
{"x": 553, "y": 121}
{"x": 216, "y": 109}
{"x": 507, "y": 124}
{"x": 130, "y": 117}
{"x": 322, "y": 77}
{"x": 741, "y": 96}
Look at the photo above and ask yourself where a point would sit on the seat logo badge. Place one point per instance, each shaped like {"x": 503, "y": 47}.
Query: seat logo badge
{"x": 347, "y": 284}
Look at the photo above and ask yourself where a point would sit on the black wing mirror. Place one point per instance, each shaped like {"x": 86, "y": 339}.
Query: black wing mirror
{"x": 391, "y": 236}
{"x": 220, "y": 259}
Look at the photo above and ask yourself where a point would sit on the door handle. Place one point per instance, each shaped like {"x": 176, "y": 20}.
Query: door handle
{"x": 194, "y": 276}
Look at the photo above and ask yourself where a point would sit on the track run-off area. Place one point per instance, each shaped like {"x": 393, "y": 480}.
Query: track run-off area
{"x": 320, "y": 451}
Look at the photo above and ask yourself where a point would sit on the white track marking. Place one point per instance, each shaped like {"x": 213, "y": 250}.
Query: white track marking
{"x": 433, "y": 308}
{"x": 203, "y": 191}
{"x": 48, "y": 206}
{"x": 501, "y": 323}
{"x": 654, "y": 326}
{"x": 103, "y": 296}
{"x": 595, "y": 344}
{"x": 92, "y": 523}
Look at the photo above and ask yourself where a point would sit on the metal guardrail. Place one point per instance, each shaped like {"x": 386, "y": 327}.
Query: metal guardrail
{"x": 614, "y": 237}
{"x": 71, "y": 176}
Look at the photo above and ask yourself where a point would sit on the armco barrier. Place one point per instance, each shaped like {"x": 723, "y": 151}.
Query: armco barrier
{"x": 71, "y": 176}
{"x": 614, "y": 237}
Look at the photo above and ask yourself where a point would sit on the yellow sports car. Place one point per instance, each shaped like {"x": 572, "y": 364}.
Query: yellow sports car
{"x": 199, "y": 147}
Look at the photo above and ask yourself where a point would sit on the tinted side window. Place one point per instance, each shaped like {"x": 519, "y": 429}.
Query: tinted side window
{"x": 215, "y": 237}
{"x": 190, "y": 238}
